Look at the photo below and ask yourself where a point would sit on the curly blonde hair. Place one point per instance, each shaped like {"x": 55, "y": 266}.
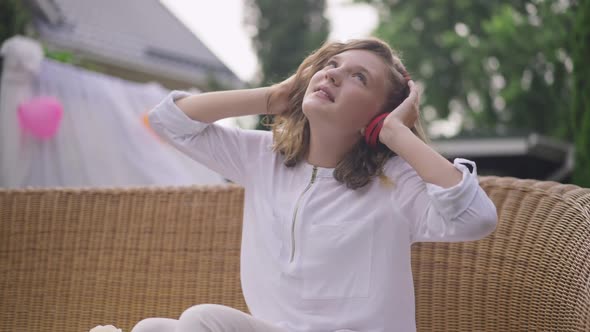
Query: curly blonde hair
{"x": 291, "y": 131}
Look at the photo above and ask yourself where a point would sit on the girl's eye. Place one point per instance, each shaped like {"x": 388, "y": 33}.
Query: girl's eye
{"x": 361, "y": 77}
{"x": 331, "y": 63}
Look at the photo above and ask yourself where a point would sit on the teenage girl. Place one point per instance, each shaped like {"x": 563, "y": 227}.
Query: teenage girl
{"x": 336, "y": 194}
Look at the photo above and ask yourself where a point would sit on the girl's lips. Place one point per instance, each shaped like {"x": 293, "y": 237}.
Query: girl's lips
{"x": 322, "y": 94}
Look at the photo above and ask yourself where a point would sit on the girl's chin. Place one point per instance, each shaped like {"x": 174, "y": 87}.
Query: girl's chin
{"x": 316, "y": 105}
{"x": 314, "y": 112}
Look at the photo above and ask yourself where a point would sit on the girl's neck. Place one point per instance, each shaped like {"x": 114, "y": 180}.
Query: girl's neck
{"x": 327, "y": 150}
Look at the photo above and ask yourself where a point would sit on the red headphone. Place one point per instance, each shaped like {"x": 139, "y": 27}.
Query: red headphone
{"x": 374, "y": 127}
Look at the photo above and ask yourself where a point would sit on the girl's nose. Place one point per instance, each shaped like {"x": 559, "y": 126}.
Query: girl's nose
{"x": 333, "y": 75}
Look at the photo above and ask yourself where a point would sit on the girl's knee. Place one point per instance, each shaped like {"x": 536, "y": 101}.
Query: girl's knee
{"x": 201, "y": 311}
{"x": 209, "y": 316}
{"x": 155, "y": 325}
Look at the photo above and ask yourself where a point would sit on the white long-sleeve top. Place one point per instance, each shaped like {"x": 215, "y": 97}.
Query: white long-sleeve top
{"x": 317, "y": 256}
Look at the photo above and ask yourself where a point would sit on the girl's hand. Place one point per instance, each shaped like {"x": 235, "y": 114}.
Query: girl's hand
{"x": 278, "y": 96}
{"x": 406, "y": 114}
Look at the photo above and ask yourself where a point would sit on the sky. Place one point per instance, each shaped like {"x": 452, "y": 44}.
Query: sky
{"x": 219, "y": 25}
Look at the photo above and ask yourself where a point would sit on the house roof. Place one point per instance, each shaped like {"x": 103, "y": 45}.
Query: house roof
{"x": 524, "y": 156}
{"x": 140, "y": 35}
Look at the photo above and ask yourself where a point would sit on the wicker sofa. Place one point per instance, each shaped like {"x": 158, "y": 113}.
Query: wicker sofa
{"x": 71, "y": 259}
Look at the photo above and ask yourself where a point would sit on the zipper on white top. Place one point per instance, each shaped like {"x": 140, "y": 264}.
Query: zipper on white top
{"x": 313, "y": 176}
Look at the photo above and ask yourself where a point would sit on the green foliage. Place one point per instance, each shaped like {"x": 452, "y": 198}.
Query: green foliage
{"x": 286, "y": 32}
{"x": 500, "y": 64}
{"x": 71, "y": 58}
{"x": 580, "y": 114}
{"x": 61, "y": 56}
{"x": 13, "y": 19}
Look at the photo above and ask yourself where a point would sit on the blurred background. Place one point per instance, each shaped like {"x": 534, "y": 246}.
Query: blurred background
{"x": 504, "y": 81}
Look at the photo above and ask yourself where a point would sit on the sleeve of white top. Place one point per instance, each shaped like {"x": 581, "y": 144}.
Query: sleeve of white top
{"x": 463, "y": 212}
{"x": 216, "y": 147}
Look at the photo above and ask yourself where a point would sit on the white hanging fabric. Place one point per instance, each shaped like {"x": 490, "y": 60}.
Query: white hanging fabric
{"x": 102, "y": 139}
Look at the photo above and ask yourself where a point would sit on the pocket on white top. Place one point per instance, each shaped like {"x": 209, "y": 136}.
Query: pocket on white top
{"x": 337, "y": 260}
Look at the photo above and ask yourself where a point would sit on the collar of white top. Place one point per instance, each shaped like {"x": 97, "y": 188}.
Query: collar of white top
{"x": 322, "y": 172}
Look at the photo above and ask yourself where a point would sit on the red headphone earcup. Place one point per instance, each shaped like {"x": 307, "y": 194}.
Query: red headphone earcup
{"x": 369, "y": 130}
{"x": 375, "y": 135}
{"x": 373, "y": 130}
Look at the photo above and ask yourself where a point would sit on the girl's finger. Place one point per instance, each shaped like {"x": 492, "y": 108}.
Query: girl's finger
{"x": 414, "y": 89}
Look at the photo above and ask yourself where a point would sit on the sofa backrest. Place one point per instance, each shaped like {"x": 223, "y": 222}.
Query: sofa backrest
{"x": 71, "y": 259}
{"x": 531, "y": 274}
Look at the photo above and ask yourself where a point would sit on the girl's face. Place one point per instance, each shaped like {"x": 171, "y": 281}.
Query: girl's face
{"x": 347, "y": 93}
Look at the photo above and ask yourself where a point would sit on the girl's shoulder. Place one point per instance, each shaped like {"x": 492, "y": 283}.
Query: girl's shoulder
{"x": 247, "y": 137}
{"x": 257, "y": 143}
{"x": 255, "y": 134}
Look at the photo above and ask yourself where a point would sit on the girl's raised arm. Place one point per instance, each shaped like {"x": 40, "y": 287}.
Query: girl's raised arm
{"x": 213, "y": 106}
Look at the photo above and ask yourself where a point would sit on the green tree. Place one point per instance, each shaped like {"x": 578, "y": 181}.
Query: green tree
{"x": 499, "y": 64}
{"x": 14, "y": 19}
{"x": 285, "y": 32}
{"x": 580, "y": 119}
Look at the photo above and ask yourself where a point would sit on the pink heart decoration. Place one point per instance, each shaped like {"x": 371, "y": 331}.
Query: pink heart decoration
{"x": 40, "y": 116}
